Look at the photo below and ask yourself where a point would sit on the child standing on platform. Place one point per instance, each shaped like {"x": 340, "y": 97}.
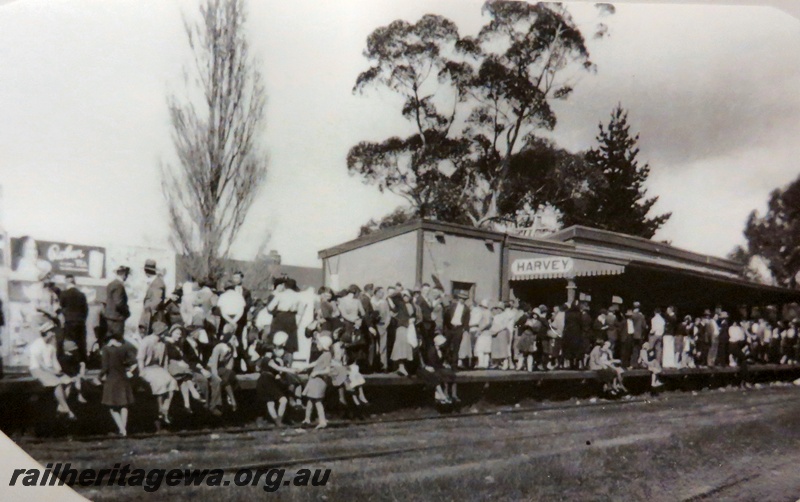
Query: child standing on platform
{"x": 317, "y": 383}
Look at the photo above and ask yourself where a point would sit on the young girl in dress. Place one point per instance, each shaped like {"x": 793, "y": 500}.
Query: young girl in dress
{"x": 317, "y": 383}
{"x": 648, "y": 358}
{"x": 119, "y": 359}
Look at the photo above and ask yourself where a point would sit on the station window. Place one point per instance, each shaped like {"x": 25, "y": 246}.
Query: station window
{"x": 467, "y": 287}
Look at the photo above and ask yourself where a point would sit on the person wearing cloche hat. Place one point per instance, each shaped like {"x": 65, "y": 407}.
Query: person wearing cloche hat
{"x": 44, "y": 366}
{"x": 154, "y": 296}
{"x": 118, "y": 360}
{"x": 314, "y": 391}
{"x": 150, "y": 358}
{"x": 405, "y": 333}
{"x": 270, "y": 386}
{"x": 502, "y": 324}
{"x": 179, "y": 367}
{"x": 482, "y": 346}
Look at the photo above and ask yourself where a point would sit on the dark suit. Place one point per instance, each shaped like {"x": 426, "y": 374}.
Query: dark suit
{"x": 370, "y": 321}
{"x": 116, "y": 310}
{"x": 454, "y": 334}
{"x": 153, "y": 298}
{"x": 612, "y": 333}
{"x": 75, "y": 309}
{"x": 425, "y": 325}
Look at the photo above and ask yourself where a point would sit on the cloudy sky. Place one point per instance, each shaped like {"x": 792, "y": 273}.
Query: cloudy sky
{"x": 714, "y": 92}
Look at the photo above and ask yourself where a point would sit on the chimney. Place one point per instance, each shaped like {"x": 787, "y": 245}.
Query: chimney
{"x": 275, "y": 257}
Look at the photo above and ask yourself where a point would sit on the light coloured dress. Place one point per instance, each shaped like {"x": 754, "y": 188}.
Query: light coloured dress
{"x": 317, "y": 384}
{"x": 668, "y": 352}
{"x": 151, "y": 357}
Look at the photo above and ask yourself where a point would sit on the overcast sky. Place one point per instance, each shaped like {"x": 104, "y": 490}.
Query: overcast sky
{"x": 713, "y": 91}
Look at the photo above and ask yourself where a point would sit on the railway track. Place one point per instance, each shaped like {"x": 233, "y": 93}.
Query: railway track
{"x": 336, "y": 424}
{"x": 444, "y": 445}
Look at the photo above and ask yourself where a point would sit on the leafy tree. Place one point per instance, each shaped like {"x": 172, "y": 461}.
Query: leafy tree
{"x": 397, "y": 217}
{"x": 409, "y": 60}
{"x": 776, "y": 236}
{"x": 522, "y": 53}
{"x": 473, "y": 103}
{"x": 744, "y": 258}
{"x": 542, "y": 171}
{"x": 617, "y": 199}
{"x": 219, "y": 167}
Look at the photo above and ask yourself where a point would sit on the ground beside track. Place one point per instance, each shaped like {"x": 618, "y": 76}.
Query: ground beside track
{"x": 714, "y": 445}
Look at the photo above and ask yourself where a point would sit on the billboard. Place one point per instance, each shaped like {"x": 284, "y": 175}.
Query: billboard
{"x": 33, "y": 260}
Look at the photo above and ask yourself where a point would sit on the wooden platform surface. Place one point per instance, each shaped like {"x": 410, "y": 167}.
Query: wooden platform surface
{"x": 22, "y": 383}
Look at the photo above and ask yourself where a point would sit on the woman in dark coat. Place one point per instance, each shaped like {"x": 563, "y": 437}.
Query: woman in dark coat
{"x": 573, "y": 336}
{"x": 118, "y": 358}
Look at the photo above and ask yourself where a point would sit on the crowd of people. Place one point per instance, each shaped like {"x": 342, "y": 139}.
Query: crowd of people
{"x": 193, "y": 342}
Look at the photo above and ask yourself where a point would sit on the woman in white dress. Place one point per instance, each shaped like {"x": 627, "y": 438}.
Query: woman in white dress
{"x": 668, "y": 359}
{"x": 483, "y": 346}
{"x": 151, "y": 361}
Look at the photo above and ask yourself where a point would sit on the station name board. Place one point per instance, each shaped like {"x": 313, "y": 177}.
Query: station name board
{"x": 542, "y": 265}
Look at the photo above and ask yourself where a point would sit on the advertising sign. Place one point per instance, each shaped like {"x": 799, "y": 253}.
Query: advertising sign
{"x": 32, "y": 260}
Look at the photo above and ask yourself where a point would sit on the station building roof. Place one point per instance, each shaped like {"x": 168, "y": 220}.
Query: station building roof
{"x": 584, "y": 243}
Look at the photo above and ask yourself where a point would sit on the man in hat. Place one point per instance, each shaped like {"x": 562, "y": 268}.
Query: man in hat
{"x": 44, "y": 366}
{"x": 75, "y": 309}
{"x": 196, "y": 346}
{"x": 426, "y": 327}
{"x": 117, "y": 310}
{"x": 154, "y": 296}
{"x": 456, "y": 325}
{"x": 383, "y": 318}
{"x": 723, "y": 352}
{"x": 710, "y": 336}
{"x": 236, "y": 284}
{"x": 222, "y": 377}
{"x": 613, "y": 328}
{"x": 626, "y": 339}
{"x": 638, "y": 320}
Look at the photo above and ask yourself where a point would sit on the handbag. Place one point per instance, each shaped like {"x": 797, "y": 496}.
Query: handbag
{"x": 411, "y": 335}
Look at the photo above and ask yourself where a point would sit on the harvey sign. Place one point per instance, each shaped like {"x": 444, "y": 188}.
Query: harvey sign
{"x": 542, "y": 266}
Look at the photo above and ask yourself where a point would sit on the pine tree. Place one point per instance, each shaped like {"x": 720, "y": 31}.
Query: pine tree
{"x": 619, "y": 201}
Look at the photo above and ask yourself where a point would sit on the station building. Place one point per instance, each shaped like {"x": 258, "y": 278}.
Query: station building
{"x": 576, "y": 262}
